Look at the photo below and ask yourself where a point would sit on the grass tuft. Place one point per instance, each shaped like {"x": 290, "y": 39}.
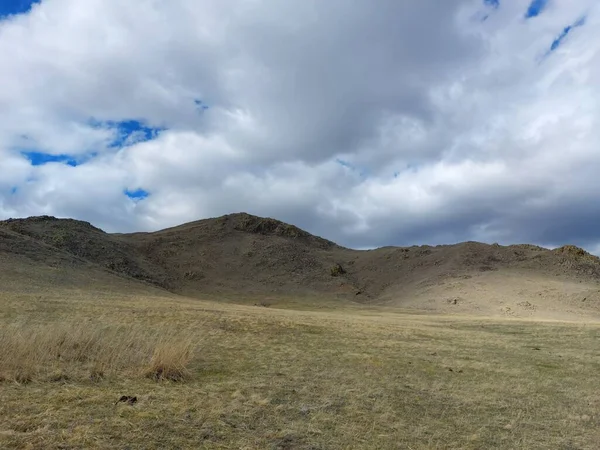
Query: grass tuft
{"x": 170, "y": 361}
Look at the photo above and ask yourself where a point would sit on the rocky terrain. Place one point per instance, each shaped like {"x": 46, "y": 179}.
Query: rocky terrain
{"x": 246, "y": 255}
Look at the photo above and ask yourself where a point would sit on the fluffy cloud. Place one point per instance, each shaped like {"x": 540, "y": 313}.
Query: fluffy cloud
{"x": 394, "y": 123}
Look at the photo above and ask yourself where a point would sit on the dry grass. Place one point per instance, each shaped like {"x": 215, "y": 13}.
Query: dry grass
{"x": 170, "y": 361}
{"x": 68, "y": 351}
{"x": 267, "y": 378}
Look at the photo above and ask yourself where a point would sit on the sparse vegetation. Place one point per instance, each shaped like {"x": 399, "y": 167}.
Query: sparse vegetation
{"x": 337, "y": 270}
{"x": 267, "y": 226}
{"x": 263, "y": 303}
{"x": 91, "y": 359}
{"x": 245, "y": 253}
{"x": 273, "y": 378}
{"x": 572, "y": 250}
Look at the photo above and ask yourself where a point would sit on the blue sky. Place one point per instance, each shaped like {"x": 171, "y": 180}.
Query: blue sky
{"x": 535, "y": 8}
{"x": 361, "y": 171}
{"x": 39, "y": 158}
{"x": 10, "y": 7}
{"x": 129, "y": 132}
{"x": 136, "y": 194}
{"x": 423, "y": 124}
{"x": 568, "y": 29}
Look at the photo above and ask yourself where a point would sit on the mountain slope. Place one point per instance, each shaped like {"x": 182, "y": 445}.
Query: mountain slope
{"x": 245, "y": 254}
{"x": 30, "y": 265}
{"x": 89, "y": 243}
{"x": 252, "y": 256}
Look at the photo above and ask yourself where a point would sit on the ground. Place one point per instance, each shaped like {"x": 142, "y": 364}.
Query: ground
{"x": 271, "y": 376}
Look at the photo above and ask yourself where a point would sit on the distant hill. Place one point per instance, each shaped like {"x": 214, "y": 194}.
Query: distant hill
{"x": 249, "y": 256}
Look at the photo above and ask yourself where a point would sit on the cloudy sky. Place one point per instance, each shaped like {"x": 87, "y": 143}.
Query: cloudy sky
{"x": 367, "y": 122}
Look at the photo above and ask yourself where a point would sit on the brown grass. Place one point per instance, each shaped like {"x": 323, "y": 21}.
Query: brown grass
{"x": 170, "y": 361}
{"x": 267, "y": 378}
{"x": 63, "y": 351}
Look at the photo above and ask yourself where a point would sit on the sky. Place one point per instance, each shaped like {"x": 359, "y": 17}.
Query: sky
{"x": 369, "y": 123}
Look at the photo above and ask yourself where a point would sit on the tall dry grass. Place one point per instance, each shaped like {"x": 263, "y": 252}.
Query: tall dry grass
{"x": 63, "y": 351}
{"x": 170, "y": 361}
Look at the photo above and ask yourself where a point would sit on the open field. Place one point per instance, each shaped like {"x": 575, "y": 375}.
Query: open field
{"x": 268, "y": 378}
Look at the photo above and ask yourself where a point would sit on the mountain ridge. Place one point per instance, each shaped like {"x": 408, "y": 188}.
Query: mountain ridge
{"x": 245, "y": 255}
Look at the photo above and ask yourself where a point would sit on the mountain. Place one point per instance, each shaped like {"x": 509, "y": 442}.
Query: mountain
{"x": 245, "y": 255}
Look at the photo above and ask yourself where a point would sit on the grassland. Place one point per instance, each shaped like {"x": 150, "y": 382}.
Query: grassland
{"x": 255, "y": 377}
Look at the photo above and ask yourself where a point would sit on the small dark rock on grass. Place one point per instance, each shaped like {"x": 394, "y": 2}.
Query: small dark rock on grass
{"x": 127, "y": 399}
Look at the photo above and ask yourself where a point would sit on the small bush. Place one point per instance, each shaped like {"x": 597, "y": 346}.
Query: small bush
{"x": 572, "y": 250}
{"x": 337, "y": 270}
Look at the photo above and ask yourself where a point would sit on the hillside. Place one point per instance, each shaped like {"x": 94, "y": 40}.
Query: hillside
{"x": 249, "y": 256}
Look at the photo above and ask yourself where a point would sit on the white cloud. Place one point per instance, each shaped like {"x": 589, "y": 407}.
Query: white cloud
{"x": 454, "y": 128}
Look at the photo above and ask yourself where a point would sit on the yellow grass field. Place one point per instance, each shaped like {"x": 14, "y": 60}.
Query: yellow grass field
{"x": 220, "y": 375}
